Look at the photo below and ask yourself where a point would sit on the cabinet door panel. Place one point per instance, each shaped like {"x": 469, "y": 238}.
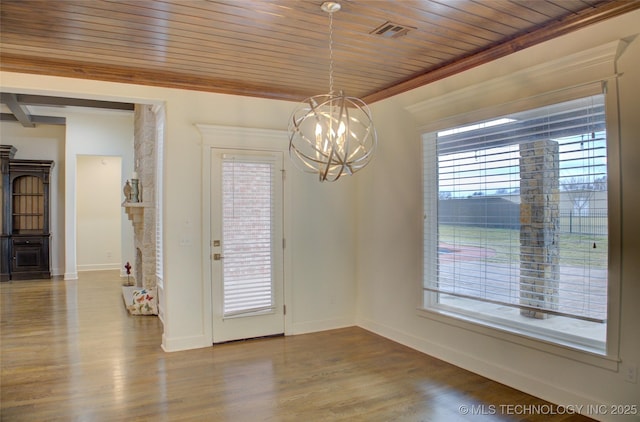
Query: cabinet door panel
{"x": 27, "y": 254}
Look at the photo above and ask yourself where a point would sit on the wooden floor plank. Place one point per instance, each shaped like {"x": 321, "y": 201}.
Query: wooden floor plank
{"x": 70, "y": 351}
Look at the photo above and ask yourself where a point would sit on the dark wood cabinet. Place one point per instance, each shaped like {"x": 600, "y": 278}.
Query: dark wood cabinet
{"x": 24, "y": 242}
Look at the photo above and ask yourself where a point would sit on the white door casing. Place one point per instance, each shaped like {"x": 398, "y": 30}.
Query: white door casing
{"x": 251, "y": 139}
{"x": 246, "y": 244}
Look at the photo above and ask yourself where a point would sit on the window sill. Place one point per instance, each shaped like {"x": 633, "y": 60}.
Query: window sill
{"x": 590, "y": 357}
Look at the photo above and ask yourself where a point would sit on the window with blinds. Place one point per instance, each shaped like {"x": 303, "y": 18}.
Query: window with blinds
{"x": 247, "y": 213}
{"x": 516, "y": 220}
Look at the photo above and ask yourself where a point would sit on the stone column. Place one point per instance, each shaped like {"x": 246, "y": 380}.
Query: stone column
{"x": 539, "y": 226}
{"x": 144, "y": 155}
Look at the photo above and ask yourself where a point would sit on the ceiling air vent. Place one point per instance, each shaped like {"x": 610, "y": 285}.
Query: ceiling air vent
{"x": 391, "y": 30}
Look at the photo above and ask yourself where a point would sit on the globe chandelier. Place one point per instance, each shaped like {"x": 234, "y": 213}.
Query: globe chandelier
{"x": 331, "y": 134}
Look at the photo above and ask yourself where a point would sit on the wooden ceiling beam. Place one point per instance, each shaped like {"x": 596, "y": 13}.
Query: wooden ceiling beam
{"x": 21, "y": 114}
{"x": 44, "y": 120}
{"x": 45, "y": 100}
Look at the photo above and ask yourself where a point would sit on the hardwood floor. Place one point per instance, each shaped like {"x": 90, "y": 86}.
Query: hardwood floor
{"x": 70, "y": 352}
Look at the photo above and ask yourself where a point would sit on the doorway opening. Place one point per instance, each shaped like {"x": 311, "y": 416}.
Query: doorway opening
{"x": 98, "y": 212}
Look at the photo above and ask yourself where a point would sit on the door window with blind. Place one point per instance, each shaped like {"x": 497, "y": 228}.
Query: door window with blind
{"x": 516, "y": 222}
{"x": 247, "y": 247}
{"x": 247, "y": 244}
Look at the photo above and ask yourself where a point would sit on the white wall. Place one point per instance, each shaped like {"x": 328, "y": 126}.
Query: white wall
{"x": 324, "y": 226}
{"x": 44, "y": 142}
{"x": 321, "y": 280}
{"x": 390, "y": 235}
{"x": 98, "y": 198}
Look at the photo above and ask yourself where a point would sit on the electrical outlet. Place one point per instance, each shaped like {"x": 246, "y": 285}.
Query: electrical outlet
{"x": 630, "y": 373}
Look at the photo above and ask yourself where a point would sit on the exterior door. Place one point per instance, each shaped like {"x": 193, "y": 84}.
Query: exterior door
{"x": 246, "y": 244}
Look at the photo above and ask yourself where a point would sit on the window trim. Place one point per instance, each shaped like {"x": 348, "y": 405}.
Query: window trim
{"x": 512, "y": 336}
{"x": 602, "y": 74}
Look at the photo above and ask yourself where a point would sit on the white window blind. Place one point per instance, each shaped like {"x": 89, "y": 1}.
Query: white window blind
{"x": 248, "y": 200}
{"x": 516, "y": 211}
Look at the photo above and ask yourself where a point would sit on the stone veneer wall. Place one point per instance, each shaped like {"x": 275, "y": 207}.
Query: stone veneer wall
{"x": 144, "y": 159}
{"x": 539, "y": 227}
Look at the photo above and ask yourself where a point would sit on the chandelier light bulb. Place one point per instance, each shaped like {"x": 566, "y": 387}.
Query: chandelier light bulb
{"x": 331, "y": 135}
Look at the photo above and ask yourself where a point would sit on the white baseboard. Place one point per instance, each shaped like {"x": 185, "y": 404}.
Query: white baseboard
{"x": 196, "y": 342}
{"x": 71, "y": 276}
{"x": 98, "y": 267}
{"x": 184, "y": 343}
{"x": 320, "y": 325}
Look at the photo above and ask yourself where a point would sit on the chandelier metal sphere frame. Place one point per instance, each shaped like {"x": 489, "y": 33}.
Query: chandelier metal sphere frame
{"x": 331, "y": 134}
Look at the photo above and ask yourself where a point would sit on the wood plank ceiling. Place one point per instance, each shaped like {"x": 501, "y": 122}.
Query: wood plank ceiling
{"x": 279, "y": 48}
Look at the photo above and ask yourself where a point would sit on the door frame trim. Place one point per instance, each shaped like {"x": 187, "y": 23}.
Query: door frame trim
{"x": 241, "y": 138}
